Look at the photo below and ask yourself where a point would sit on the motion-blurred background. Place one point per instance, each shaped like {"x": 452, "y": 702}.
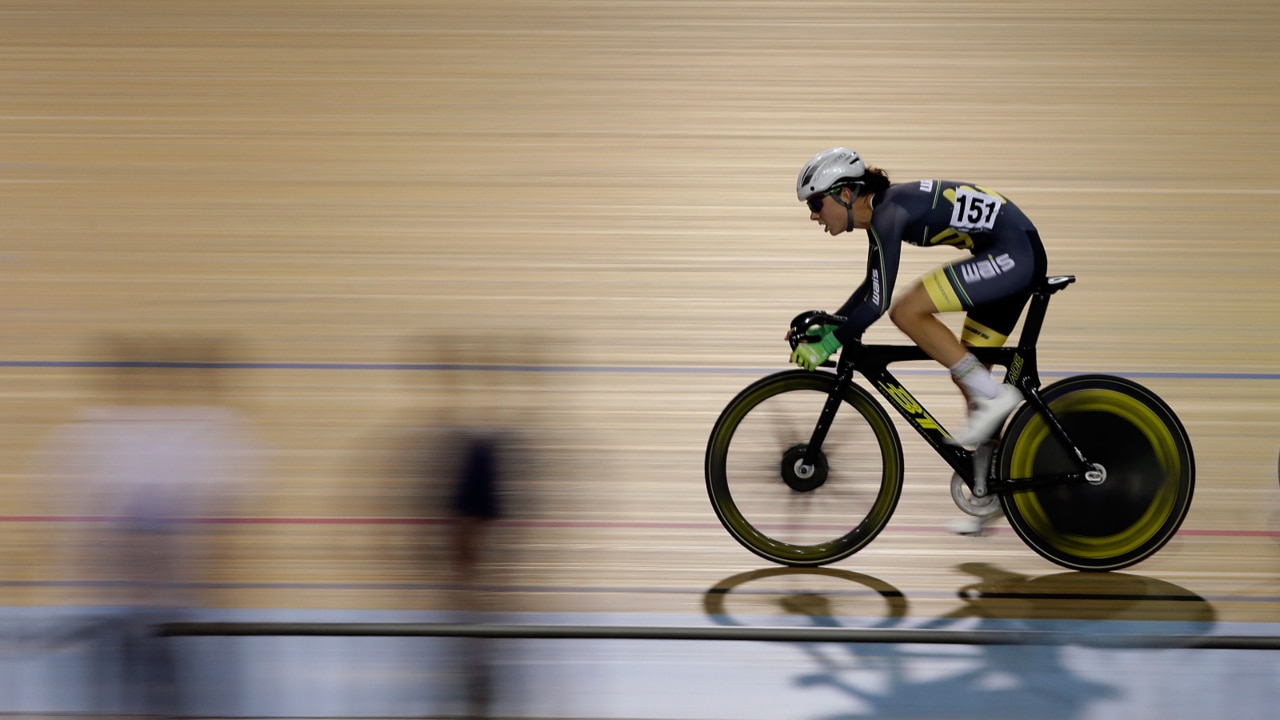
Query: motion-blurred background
{"x": 280, "y": 283}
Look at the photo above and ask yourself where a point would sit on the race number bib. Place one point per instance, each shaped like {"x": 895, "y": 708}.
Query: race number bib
{"x": 974, "y": 211}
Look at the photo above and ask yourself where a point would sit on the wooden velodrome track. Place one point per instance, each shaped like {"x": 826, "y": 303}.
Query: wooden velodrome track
{"x": 597, "y": 196}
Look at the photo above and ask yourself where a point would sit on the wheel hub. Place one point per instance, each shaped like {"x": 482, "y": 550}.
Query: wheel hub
{"x": 1096, "y": 475}
{"x": 801, "y": 476}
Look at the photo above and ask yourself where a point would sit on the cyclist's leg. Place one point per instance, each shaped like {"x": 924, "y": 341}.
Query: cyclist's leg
{"x": 996, "y": 308}
{"x": 916, "y": 315}
{"x": 996, "y": 280}
{"x": 992, "y": 287}
{"x": 989, "y": 325}
{"x": 986, "y": 325}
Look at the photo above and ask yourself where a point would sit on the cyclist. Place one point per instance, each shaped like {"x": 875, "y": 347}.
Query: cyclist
{"x": 992, "y": 285}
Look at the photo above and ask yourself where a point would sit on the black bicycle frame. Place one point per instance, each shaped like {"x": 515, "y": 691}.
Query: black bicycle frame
{"x": 873, "y": 362}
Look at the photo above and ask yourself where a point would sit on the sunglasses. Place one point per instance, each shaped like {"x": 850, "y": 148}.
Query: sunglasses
{"x": 815, "y": 202}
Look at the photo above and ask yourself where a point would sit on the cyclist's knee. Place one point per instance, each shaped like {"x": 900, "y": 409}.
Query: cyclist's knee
{"x": 912, "y": 309}
{"x": 903, "y": 317}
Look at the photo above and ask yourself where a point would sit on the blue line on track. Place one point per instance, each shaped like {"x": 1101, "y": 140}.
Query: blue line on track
{"x": 578, "y": 369}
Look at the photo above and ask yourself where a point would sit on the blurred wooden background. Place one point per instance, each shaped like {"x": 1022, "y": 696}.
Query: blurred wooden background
{"x": 600, "y": 194}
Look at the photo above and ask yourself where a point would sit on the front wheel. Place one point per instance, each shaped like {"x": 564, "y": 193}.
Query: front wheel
{"x": 1138, "y": 505}
{"x": 794, "y": 512}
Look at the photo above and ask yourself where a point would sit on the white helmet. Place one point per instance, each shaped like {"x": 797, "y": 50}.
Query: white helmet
{"x": 828, "y": 169}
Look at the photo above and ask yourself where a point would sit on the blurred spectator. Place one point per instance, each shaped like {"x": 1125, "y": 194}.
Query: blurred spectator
{"x": 468, "y": 462}
{"x": 140, "y": 475}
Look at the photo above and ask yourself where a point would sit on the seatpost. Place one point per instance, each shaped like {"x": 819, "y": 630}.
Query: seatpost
{"x": 1024, "y": 365}
{"x": 1034, "y": 321}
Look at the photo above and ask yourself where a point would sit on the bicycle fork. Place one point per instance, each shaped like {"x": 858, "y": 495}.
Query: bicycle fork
{"x": 844, "y": 378}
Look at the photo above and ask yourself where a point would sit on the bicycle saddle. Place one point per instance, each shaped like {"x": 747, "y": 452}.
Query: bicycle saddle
{"x": 1053, "y": 284}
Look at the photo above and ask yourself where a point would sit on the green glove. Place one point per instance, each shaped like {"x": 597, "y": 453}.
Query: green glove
{"x": 811, "y": 355}
{"x": 822, "y": 331}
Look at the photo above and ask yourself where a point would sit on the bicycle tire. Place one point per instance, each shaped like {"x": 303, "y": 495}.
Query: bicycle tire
{"x": 1150, "y": 474}
{"x": 762, "y": 432}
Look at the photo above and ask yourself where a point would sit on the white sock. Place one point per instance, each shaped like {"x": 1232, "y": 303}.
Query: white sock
{"x": 974, "y": 377}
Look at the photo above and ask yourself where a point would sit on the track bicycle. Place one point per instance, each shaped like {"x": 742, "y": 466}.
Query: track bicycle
{"x": 1093, "y": 472}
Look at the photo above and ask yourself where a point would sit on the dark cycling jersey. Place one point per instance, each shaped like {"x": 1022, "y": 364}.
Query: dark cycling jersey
{"x": 1006, "y": 254}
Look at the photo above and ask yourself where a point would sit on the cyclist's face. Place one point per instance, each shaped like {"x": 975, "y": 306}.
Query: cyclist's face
{"x": 827, "y": 213}
{"x": 831, "y": 215}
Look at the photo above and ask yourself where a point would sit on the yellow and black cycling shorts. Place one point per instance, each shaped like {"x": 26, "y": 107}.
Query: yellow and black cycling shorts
{"x": 992, "y": 286}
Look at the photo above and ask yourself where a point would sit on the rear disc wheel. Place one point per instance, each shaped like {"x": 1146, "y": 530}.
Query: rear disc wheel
{"x": 1139, "y": 495}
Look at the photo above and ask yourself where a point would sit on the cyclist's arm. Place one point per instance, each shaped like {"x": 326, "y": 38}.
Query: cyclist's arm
{"x": 871, "y": 299}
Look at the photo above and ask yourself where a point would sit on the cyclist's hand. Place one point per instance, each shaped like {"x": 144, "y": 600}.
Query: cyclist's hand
{"x": 821, "y": 332}
{"x": 812, "y": 334}
{"x": 811, "y": 355}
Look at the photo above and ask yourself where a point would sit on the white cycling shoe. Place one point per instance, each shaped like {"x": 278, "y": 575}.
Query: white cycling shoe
{"x": 973, "y": 525}
{"x": 987, "y": 414}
